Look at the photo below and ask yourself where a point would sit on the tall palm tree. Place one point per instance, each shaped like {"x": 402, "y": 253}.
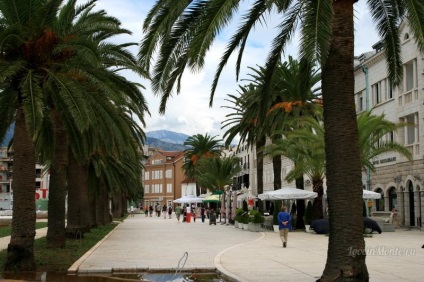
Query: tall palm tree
{"x": 244, "y": 120}
{"x": 216, "y": 172}
{"x": 185, "y": 32}
{"x": 305, "y": 146}
{"x": 199, "y": 147}
{"x": 89, "y": 71}
{"x": 24, "y": 33}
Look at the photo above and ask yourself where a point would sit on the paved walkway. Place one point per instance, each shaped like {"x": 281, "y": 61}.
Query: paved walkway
{"x": 152, "y": 243}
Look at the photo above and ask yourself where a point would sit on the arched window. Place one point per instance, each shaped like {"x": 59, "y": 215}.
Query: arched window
{"x": 379, "y": 203}
{"x": 392, "y": 198}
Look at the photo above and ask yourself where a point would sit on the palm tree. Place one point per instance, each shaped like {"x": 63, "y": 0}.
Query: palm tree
{"x": 81, "y": 81}
{"x": 199, "y": 147}
{"x": 215, "y": 173}
{"x": 24, "y": 33}
{"x": 306, "y": 147}
{"x": 185, "y": 32}
{"x": 244, "y": 121}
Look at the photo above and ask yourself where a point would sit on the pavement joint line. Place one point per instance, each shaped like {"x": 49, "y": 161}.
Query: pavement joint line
{"x": 74, "y": 268}
{"x": 222, "y": 269}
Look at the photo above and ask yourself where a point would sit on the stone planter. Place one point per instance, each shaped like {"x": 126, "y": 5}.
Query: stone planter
{"x": 254, "y": 227}
{"x": 276, "y": 228}
{"x": 245, "y": 226}
{"x": 236, "y": 224}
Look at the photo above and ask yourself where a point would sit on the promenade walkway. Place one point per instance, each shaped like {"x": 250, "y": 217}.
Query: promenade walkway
{"x": 152, "y": 243}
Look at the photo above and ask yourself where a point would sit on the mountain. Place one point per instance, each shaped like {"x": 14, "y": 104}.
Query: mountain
{"x": 166, "y": 146}
{"x": 168, "y": 136}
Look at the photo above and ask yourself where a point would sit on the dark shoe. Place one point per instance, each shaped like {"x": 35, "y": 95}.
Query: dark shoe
{"x": 284, "y": 244}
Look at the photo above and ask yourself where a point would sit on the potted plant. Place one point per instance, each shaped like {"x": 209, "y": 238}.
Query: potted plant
{"x": 308, "y": 216}
{"x": 277, "y": 208}
{"x": 255, "y": 221}
{"x": 237, "y": 218}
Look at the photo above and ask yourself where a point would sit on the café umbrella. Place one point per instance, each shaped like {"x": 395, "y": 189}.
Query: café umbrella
{"x": 189, "y": 199}
{"x": 288, "y": 193}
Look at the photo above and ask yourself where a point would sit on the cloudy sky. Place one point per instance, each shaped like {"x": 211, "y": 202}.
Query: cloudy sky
{"x": 189, "y": 112}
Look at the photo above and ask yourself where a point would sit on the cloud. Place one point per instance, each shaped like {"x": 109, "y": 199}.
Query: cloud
{"x": 189, "y": 112}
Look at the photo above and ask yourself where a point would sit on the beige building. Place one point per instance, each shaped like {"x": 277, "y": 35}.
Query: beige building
{"x": 163, "y": 177}
{"x": 399, "y": 181}
{"x": 41, "y": 187}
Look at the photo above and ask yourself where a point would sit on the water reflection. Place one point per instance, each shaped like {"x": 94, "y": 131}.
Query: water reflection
{"x": 136, "y": 277}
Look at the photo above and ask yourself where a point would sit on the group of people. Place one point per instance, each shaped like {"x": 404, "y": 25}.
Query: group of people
{"x": 185, "y": 211}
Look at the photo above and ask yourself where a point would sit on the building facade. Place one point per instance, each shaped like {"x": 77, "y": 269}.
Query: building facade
{"x": 399, "y": 181}
{"x": 163, "y": 177}
{"x": 41, "y": 187}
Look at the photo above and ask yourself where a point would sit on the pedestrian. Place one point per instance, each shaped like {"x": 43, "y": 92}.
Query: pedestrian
{"x": 184, "y": 213}
{"x": 157, "y": 210}
{"x": 284, "y": 225}
{"x": 170, "y": 211}
{"x": 132, "y": 211}
{"x": 193, "y": 213}
{"x": 146, "y": 213}
{"x": 178, "y": 212}
{"x": 164, "y": 210}
{"x": 203, "y": 213}
{"x": 150, "y": 210}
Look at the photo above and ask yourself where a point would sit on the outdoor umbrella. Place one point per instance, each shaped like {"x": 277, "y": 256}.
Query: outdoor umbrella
{"x": 212, "y": 199}
{"x": 366, "y": 194}
{"x": 288, "y": 193}
{"x": 370, "y": 195}
{"x": 188, "y": 200}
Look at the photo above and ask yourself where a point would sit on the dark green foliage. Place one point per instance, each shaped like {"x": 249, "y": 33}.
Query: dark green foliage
{"x": 308, "y": 213}
{"x": 277, "y": 209}
{"x": 256, "y": 217}
{"x": 245, "y": 208}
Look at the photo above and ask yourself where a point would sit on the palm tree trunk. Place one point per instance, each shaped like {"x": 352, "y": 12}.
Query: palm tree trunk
{"x": 300, "y": 205}
{"x": 260, "y": 169}
{"x": 344, "y": 187}
{"x": 20, "y": 251}
{"x": 318, "y": 187}
{"x": 57, "y": 190}
{"x": 117, "y": 207}
{"x": 78, "y": 212}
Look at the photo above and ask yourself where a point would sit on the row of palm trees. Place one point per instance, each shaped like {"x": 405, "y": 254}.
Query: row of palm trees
{"x": 184, "y": 32}
{"x": 73, "y": 112}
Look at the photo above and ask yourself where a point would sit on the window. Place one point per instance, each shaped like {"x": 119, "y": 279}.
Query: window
{"x": 389, "y": 89}
{"x": 157, "y": 174}
{"x": 38, "y": 173}
{"x": 169, "y": 188}
{"x": 376, "y": 92}
{"x": 168, "y": 173}
{"x": 410, "y": 136}
{"x": 37, "y": 184}
{"x": 360, "y": 104}
{"x": 146, "y": 189}
{"x": 146, "y": 175}
{"x": 410, "y": 76}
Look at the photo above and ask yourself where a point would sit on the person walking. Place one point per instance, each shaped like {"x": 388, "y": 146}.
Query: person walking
{"x": 150, "y": 210}
{"x": 178, "y": 212}
{"x": 164, "y": 210}
{"x": 146, "y": 212}
{"x": 284, "y": 225}
{"x": 169, "y": 211}
{"x": 203, "y": 213}
{"x": 132, "y": 211}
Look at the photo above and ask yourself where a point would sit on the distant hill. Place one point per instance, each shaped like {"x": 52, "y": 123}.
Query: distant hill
{"x": 166, "y": 146}
{"x": 168, "y": 136}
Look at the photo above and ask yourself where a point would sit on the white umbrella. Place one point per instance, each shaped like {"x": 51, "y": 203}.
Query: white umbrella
{"x": 370, "y": 195}
{"x": 366, "y": 194}
{"x": 287, "y": 193}
{"x": 188, "y": 199}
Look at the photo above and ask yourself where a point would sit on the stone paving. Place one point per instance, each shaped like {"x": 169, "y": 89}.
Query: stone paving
{"x": 158, "y": 244}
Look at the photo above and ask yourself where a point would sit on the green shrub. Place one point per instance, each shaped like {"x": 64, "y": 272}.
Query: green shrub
{"x": 256, "y": 217}
{"x": 239, "y": 212}
{"x": 277, "y": 209}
